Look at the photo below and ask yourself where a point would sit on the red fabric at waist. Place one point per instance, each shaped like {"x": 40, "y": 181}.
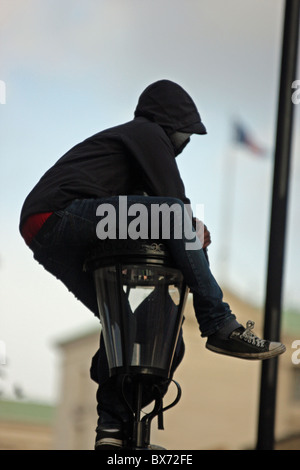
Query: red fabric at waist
{"x": 33, "y": 224}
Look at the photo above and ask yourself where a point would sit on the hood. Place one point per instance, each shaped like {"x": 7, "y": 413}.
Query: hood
{"x": 169, "y": 105}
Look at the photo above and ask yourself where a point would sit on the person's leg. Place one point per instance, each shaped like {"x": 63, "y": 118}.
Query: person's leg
{"x": 113, "y": 415}
{"x": 62, "y": 250}
{"x": 215, "y": 319}
{"x": 65, "y": 247}
{"x": 168, "y": 218}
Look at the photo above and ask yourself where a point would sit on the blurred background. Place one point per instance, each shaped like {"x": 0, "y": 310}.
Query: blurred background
{"x": 70, "y": 69}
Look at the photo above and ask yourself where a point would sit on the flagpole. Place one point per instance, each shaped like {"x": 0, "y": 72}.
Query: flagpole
{"x": 269, "y": 371}
{"x": 227, "y": 210}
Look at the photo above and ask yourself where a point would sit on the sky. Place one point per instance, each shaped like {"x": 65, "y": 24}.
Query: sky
{"x": 72, "y": 68}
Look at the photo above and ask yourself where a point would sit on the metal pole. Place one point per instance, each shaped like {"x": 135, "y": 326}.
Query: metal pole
{"x": 265, "y": 440}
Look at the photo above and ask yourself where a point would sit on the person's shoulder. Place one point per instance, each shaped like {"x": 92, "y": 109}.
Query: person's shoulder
{"x": 137, "y": 126}
{"x": 142, "y": 123}
{"x": 143, "y": 128}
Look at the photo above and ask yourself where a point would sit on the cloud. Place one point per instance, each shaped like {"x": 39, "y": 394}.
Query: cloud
{"x": 59, "y": 35}
{"x": 73, "y": 35}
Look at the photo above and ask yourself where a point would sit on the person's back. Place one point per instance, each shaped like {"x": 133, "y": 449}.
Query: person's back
{"x": 124, "y": 159}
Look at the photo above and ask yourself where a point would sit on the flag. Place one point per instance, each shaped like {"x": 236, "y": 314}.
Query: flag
{"x": 243, "y": 138}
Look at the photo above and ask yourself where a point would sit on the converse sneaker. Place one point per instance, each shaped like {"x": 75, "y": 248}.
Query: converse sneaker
{"x": 110, "y": 439}
{"x": 243, "y": 343}
{"x": 113, "y": 439}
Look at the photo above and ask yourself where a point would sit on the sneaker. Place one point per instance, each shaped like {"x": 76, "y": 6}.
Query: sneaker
{"x": 109, "y": 440}
{"x": 243, "y": 343}
{"x": 113, "y": 440}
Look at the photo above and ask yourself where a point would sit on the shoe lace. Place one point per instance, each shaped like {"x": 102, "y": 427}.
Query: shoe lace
{"x": 250, "y": 337}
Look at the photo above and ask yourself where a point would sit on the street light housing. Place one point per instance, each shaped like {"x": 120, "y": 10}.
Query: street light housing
{"x": 141, "y": 296}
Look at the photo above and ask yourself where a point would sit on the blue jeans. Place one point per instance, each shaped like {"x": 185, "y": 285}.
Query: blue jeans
{"x": 63, "y": 246}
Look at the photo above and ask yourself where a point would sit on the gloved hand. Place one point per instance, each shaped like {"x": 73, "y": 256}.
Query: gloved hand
{"x": 203, "y": 233}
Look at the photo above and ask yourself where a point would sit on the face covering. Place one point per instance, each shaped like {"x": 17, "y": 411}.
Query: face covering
{"x": 179, "y": 141}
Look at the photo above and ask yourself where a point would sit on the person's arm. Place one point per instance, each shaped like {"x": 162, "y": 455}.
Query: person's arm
{"x": 155, "y": 158}
{"x": 154, "y": 154}
{"x": 202, "y": 232}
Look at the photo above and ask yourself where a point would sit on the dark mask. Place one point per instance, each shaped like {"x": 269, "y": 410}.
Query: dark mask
{"x": 179, "y": 141}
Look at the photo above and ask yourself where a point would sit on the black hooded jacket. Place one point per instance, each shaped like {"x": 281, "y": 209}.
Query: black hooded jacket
{"x": 122, "y": 160}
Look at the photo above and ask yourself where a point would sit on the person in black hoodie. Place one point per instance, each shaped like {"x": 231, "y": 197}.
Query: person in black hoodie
{"x": 136, "y": 159}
